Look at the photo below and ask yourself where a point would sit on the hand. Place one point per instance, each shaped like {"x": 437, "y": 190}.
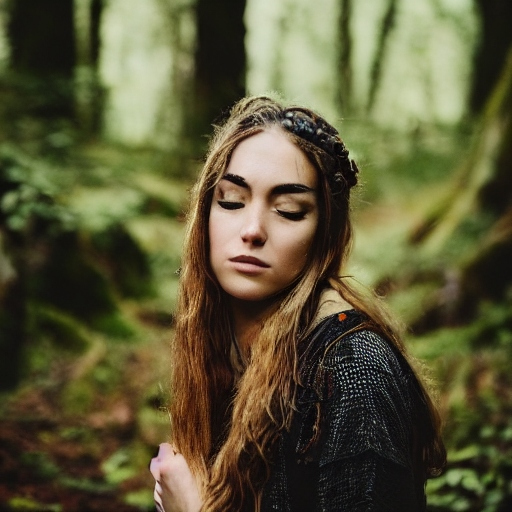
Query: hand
{"x": 175, "y": 487}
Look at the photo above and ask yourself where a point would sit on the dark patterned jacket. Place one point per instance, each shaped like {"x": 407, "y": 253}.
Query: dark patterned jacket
{"x": 351, "y": 446}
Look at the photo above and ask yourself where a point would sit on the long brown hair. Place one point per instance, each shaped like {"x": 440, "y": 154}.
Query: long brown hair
{"x": 225, "y": 430}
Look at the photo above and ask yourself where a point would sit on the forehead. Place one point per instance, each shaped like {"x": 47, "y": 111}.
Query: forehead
{"x": 271, "y": 156}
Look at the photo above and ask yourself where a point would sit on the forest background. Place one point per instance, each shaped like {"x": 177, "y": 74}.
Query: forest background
{"x": 104, "y": 109}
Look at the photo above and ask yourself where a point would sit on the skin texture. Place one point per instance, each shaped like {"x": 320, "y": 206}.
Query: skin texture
{"x": 263, "y": 219}
{"x": 175, "y": 488}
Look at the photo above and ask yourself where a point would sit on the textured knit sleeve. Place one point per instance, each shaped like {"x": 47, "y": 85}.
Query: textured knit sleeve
{"x": 365, "y": 441}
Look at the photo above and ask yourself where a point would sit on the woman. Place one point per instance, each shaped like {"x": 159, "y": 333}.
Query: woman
{"x": 291, "y": 391}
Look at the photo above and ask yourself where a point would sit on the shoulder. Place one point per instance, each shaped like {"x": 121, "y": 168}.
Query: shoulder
{"x": 365, "y": 351}
{"x": 345, "y": 345}
{"x": 366, "y": 388}
{"x": 354, "y": 355}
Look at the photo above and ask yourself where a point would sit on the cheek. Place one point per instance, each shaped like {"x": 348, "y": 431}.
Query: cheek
{"x": 213, "y": 235}
{"x": 309, "y": 241}
{"x": 219, "y": 233}
{"x": 310, "y": 234}
{"x": 299, "y": 249}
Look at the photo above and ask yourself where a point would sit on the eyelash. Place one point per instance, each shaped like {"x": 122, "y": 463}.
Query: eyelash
{"x": 292, "y": 215}
{"x": 233, "y": 205}
{"x": 230, "y": 205}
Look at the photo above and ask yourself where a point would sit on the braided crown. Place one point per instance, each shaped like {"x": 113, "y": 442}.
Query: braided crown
{"x": 315, "y": 130}
{"x": 339, "y": 170}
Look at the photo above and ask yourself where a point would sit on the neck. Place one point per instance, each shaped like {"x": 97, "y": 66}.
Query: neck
{"x": 248, "y": 318}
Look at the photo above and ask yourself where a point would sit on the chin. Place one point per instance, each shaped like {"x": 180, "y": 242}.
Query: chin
{"x": 250, "y": 297}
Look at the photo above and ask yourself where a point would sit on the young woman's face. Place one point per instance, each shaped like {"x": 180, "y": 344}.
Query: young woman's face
{"x": 263, "y": 217}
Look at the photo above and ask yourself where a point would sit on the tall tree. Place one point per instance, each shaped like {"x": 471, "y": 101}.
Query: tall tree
{"x": 345, "y": 57}
{"x": 495, "y": 40}
{"x": 42, "y": 48}
{"x": 387, "y": 25}
{"x": 86, "y": 16}
{"x": 483, "y": 187}
{"x": 220, "y": 59}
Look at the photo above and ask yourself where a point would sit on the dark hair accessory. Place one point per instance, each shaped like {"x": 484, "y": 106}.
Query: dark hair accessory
{"x": 326, "y": 138}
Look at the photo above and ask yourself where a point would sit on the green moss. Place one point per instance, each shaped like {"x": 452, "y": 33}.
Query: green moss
{"x": 115, "y": 326}
{"x": 124, "y": 261}
{"x": 142, "y": 499}
{"x": 24, "y": 504}
{"x": 41, "y": 464}
{"x": 119, "y": 467}
{"x": 77, "y": 397}
{"x": 64, "y": 330}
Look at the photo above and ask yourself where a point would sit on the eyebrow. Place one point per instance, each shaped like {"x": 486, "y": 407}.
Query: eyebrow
{"x": 285, "y": 188}
{"x": 237, "y": 180}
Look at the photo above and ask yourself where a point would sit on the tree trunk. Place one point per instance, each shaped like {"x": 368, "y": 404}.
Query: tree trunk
{"x": 12, "y": 303}
{"x": 484, "y": 188}
{"x": 220, "y": 60}
{"x": 345, "y": 58}
{"x": 40, "y": 34}
{"x": 484, "y": 180}
{"x": 387, "y": 25}
{"x": 85, "y": 75}
{"x": 495, "y": 40}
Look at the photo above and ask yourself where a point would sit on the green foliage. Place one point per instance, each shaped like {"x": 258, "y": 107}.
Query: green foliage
{"x": 129, "y": 267}
{"x": 478, "y": 477}
{"x": 72, "y": 282}
{"x": 71, "y": 266}
{"x": 119, "y": 466}
{"x": 45, "y": 468}
{"x": 63, "y": 329}
{"x": 114, "y": 325}
{"x": 85, "y": 484}
{"x": 142, "y": 499}
{"x": 27, "y": 195}
{"x": 24, "y": 504}
{"x": 473, "y": 364}
{"x": 78, "y": 397}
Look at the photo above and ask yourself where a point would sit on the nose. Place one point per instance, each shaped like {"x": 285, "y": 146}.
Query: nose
{"x": 253, "y": 230}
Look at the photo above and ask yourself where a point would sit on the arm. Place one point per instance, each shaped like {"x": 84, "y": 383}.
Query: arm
{"x": 366, "y": 443}
{"x": 365, "y": 483}
{"x": 175, "y": 486}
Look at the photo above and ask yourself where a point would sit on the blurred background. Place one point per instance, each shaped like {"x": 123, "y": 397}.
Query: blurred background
{"x": 105, "y": 108}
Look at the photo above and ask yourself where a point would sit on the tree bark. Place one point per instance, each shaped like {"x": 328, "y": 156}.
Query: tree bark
{"x": 41, "y": 36}
{"x": 484, "y": 180}
{"x": 220, "y": 60}
{"x": 483, "y": 188}
{"x": 84, "y": 72}
{"x": 345, "y": 58}
{"x": 495, "y": 40}
{"x": 12, "y": 314}
{"x": 387, "y": 26}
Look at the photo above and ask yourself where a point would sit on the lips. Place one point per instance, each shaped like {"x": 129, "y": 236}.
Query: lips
{"x": 250, "y": 260}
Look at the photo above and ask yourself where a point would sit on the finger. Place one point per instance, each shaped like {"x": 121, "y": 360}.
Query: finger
{"x": 157, "y": 497}
{"x": 167, "y": 449}
{"x": 157, "y": 494}
{"x": 163, "y": 451}
{"x": 154, "y": 468}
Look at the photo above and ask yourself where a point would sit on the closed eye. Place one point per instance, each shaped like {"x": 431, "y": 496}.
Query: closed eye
{"x": 230, "y": 205}
{"x": 292, "y": 215}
